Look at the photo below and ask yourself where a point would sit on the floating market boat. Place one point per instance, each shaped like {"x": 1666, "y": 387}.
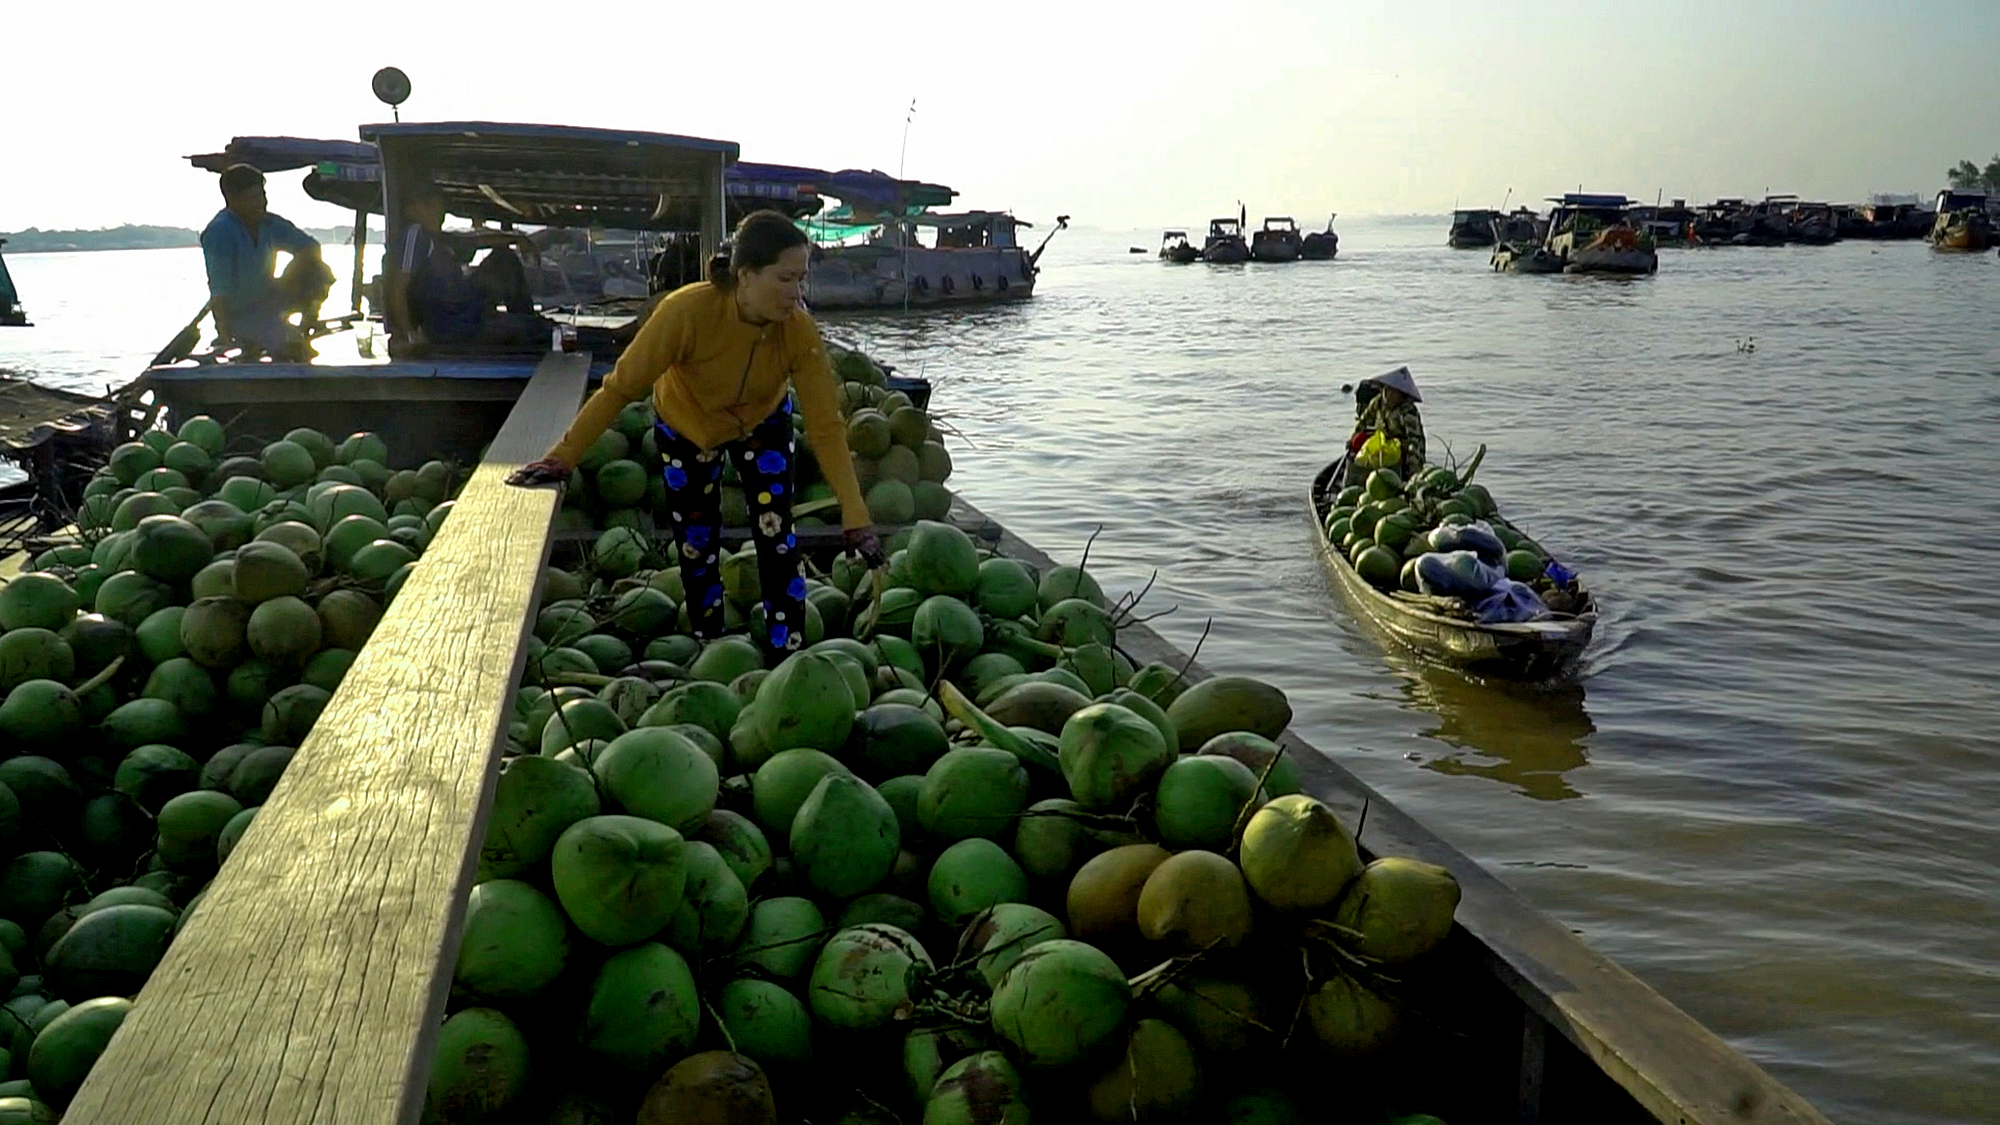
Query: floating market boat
{"x": 1175, "y": 247}
{"x": 1225, "y": 245}
{"x": 1320, "y": 245}
{"x": 1812, "y": 224}
{"x": 1521, "y": 226}
{"x": 1593, "y": 234}
{"x": 1439, "y": 628}
{"x": 1515, "y": 257}
{"x": 1964, "y": 221}
{"x": 1669, "y": 225}
{"x": 12, "y": 315}
{"x": 1472, "y": 229}
{"x": 1278, "y": 241}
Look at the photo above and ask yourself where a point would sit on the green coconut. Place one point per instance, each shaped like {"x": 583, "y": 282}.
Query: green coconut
{"x": 1103, "y": 897}
{"x": 1110, "y": 755}
{"x": 535, "y": 801}
{"x": 515, "y": 942}
{"x": 327, "y": 668}
{"x": 169, "y": 549}
{"x": 1351, "y": 1020}
{"x": 714, "y": 906}
{"x": 983, "y": 1087}
{"x": 159, "y": 635}
{"x": 891, "y": 740}
{"x": 946, "y": 631}
{"x": 997, "y": 937}
{"x": 379, "y": 562}
{"x": 1200, "y": 801}
{"x": 782, "y": 784}
{"x": 288, "y": 464}
{"x": 579, "y": 720}
{"x": 289, "y": 714}
{"x": 1224, "y": 1015}
{"x": 1063, "y": 1002}
{"x": 283, "y": 631}
{"x": 189, "y": 825}
{"x": 480, "y": 1069}
{"x": 1194, "y": 901}
{"x": 972, "y": 876}
{"x": 37, "y": 601}
{"x": 864, "y": 975}
{"x": 214, "y": 632}
{"x": 656, "y": 773}
{"x": 1297, "y": 856}
{"x": 1398, "y": 910}
{"x": 620, "y": 878}
{"x": 1042, "y": 704}
{"x": 808, "y": 704}
{"x": 39, "y": 714}
{"x": 1271, "y": 1106}
{"x": 130, "y": 597}
{"x": 348, "y": 536}
{"x": 1259, "y": 754}
{"x": 1052, "y": 841}
{"x": 845, "y": 837}
{"x": 186, "y": 685}
{"x": 942, "y": 560}
{"x": 741, "y": 844}
{"x": 973, "y": 791}
{"x": 364, "y": 446}
{"x": 725, "y": 659}
{"x": 153, "y": 775}
{"x": 113, "y": 831}
{"x": 1064, "y": 582}
{"x": 66, "y": 1049}
{"x": 339, "y": 501}
{"x": 264, "y": 570}
{"x": 610, "y": 654}
{"x": 142, "y": 721}
{"x": 232, "y": 834}
{"x": 109, "y": 952}
{"x": 766, "y": 1023}
{"x": 34, "y": 885}
{"x": 1157, "y": 1078}
{"x": 782, "y": 936}
{"x": 139, "y": 506}
{"x": 1228, "y": 703}
{"x": 643, "y": 1009}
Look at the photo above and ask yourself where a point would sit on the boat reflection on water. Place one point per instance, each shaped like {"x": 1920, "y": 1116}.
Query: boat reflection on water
{"x": 1527, "y": 736}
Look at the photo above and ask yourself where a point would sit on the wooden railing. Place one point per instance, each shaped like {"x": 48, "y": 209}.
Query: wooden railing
{"x": 310, "y": 982}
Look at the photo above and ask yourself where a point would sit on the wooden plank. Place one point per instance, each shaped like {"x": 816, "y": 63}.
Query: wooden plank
{"x": 1677, "y": 1069}
{"x": 311, "y": 980}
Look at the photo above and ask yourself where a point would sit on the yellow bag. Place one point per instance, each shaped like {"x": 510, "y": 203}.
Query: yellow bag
{"x": 1380, "y": 452}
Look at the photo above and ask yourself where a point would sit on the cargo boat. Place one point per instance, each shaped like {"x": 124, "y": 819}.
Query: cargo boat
{"x": 1530, "y": 650}
{"x": 1278, "y": 241}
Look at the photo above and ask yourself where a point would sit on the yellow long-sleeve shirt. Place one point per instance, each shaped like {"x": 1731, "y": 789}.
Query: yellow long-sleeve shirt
{"x": 714, "y": 376}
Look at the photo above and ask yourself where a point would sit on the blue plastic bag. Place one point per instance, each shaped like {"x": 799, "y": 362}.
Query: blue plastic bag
{"x": 1457, "y": 574}
{"x": 1511, "y": 602}
{"x": 1476, "y": 537}
{"x": 1559, "y": 574}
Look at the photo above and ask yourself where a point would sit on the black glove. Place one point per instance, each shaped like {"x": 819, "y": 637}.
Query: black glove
{"x": 548, "y": 470}
{"x": 862, "y": 541}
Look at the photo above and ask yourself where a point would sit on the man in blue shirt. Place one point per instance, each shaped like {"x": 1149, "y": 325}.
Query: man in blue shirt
{"x": 435, "y": 299}
{"x": 240, "y": 247}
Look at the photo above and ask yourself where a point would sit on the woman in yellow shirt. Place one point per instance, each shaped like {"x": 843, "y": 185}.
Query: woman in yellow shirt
{"x": 722, "y": 359}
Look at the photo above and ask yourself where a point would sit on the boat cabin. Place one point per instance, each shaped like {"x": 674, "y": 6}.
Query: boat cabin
{"x": 1963, "y": 199}
{"x": 565, "y": 187}
{"x": 1224, "y": 228}
{"x": 1585, "y": 213}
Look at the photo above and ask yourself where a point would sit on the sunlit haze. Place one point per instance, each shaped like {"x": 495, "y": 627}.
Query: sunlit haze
{"x": 1121, "y": 115}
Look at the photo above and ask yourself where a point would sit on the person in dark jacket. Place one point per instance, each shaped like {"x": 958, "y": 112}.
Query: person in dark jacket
{"x": 1387, "y": 404}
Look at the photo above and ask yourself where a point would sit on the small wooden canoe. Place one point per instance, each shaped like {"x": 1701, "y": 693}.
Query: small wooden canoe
{"x": 1530, "y": 650}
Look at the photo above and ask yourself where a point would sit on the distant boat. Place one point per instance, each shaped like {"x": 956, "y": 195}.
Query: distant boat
{"x": 1472, "y": 229}
{"x": 1964, "y": 221}
{"x": 1594, "y": 234}
{"x": 1225, "y": 245}
{"x": 1175, "y": 247}
{"x": 1277, "y": 242}
{"x": 1320, "y": 245}
{"x": 12, "y": 315}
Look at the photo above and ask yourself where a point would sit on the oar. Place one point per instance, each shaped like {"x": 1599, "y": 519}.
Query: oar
{"x": 184, "y": 341}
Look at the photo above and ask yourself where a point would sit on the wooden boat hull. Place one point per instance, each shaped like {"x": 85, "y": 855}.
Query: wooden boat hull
{"x": 1508, "y": 258}
{"x": 1320, "y": 246}
{"x": 1279, "y": 249}
{"x": 1181, "y": 255}
{"x": 1597, "y": 260}
{"x": 1529, "y": 650}
{"x": 1226, "y": 253}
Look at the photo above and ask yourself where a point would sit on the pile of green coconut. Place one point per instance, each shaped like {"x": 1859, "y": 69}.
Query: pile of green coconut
{"x": 898, "y": 451}
{"x": 156, "y": 676}
{"x": 1384, "y": 525}
{"x": 956, "y": 861}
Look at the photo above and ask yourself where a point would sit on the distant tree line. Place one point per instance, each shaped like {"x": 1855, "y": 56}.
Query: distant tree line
{"x": 1967, "y": 175}
{"x": 139, "y": 237}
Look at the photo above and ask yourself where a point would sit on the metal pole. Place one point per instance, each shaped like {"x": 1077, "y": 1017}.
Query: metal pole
{"x": 360, "y": 252}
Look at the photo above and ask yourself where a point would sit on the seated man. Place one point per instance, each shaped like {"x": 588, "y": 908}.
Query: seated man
{"x": 436, "y": 300}
{"x": 239, "y": 247}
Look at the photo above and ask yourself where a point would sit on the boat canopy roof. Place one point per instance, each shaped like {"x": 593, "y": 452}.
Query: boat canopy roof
{"x": 1585, "y": 199}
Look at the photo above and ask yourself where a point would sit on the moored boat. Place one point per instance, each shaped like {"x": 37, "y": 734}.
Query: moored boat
{"x": 1471, "y": 229}
{"x": 1225, "y": 244}
{"x": 1521, "y": 226}
{"x": 1439, "y": 628}
{"x": 1517, "y": 257}
{"x": 12, "y": 315}
{"x": 1175, "y": 247}
{"x": 1278, "y": 241}
{"x": 1320, "y": 245}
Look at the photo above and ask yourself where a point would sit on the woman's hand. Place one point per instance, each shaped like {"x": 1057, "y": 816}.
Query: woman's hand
{"x": 863, "y": 541}
{"x": 548, "y": 470}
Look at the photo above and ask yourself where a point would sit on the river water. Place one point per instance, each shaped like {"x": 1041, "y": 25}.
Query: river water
{"x": 1771, "y": 795}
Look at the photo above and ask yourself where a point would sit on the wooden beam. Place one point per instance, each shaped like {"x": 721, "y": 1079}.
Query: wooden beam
{"x": 1675, "y": 1068}
{"x": 311, "y": 980}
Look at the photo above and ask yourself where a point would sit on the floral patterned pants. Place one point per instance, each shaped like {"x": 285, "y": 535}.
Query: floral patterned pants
{"x": 694, "y": 502}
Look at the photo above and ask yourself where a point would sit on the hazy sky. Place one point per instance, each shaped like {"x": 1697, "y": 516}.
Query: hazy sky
{"x": 1121, "y": 115}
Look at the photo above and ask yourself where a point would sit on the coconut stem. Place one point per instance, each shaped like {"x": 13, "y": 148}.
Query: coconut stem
{"x": 103, "y": 677}
{"x": 1243, "y": 814}
{"x": 963, "y": 710}
{"x": 719, "y": 1025}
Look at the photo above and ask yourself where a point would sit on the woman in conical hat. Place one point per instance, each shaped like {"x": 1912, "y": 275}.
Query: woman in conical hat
{"x": 1387, "y": 404}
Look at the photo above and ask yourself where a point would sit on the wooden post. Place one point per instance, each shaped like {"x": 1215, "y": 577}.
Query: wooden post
{"x": 311, "y": 980}
{"x": 360, "y": 257}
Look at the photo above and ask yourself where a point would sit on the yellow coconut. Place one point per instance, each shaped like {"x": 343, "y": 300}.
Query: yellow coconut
{"x": 1351, "y": 1020}
{"x": 1297, "y": 856}
{"x": 1398, "y": 910}
{"x": 1195, "y": 900}
{"x": 1103, "y": 903}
